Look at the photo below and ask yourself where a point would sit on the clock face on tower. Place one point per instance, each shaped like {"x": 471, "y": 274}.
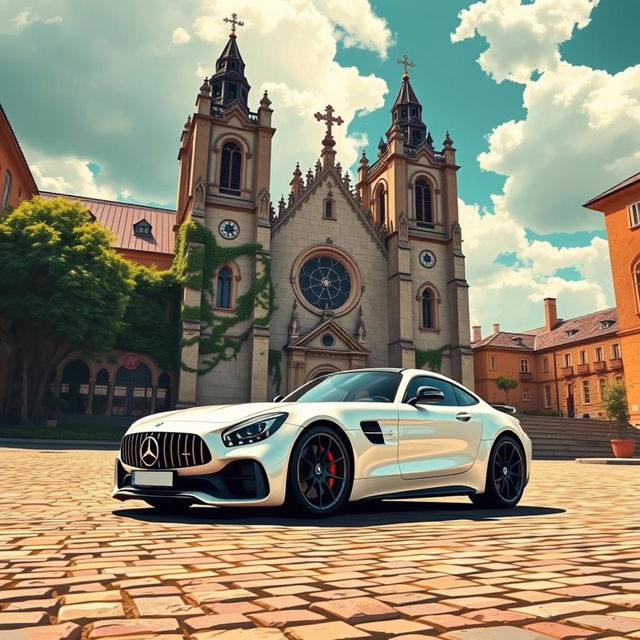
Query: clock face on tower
{"x": 427, "y": 259}
{"x": 229, "y": 229}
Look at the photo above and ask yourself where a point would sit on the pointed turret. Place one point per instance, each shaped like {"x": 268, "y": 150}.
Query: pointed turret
{"x": 407, "y": 114}
{"x": 228, "y": 83}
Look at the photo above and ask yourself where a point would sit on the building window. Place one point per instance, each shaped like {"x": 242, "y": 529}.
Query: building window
{"x": 524, "y": 366}
{"x": 424, "y": 208}
{"x": 586, "y": 394}
{"x": 526, "y": 393}
{"x": 492, "y": 363}
{"x": 6, "y": 190}
{"x": 636, "y": 284}
{"x": 381, "y": 213}
{"x": 428, "y": 309}
{"x": 583, "y": 357}
{"x": 599, "y": 355}
{"x": 545, "y": 365}
{"x": 634, "y": 214}
{"x": 230, "y": 168}
{"x": 232, "y": 91}
{"x": 547, "y": 396}
{"x": 223, "y": 288}
{"x": 567, "y": 359}
{"x": 142, "y": 228}
{"x": 328, "y": 210}
{"x": 602, "y": 383}
{"x": 615, "y": 350}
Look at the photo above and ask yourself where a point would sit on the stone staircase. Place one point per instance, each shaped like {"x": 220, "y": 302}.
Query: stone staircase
{"x": 569, "y": 438}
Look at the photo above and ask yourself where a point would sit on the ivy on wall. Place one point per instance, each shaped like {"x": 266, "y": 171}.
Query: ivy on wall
{"x": 432, "y": 358}
{"x": 197, "y": 258}
{"x": 275, "y": 368}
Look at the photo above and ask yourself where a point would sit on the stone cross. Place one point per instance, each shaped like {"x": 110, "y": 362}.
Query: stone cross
{"x": 234, "y": 21}
{"x": 404, "y": 61}
{"x": 329, "y": 119}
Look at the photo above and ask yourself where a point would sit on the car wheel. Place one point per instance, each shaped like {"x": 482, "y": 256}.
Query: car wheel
{"x": 320, "y": 475}
{"x": 169, "y": 506}
{"x": 505, "y": 476}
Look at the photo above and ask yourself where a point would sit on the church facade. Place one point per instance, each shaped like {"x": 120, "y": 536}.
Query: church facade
{"x": 369, "y": 274}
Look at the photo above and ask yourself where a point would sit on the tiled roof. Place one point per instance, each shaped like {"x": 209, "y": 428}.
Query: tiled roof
{"x": 619, "y": 187}
{"x": 119, "y": 218}
{"x": 587, "y": 327}
{"x": 567, "y": 332}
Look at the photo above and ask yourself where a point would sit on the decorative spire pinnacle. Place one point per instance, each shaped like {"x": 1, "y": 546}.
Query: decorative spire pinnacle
{"x": 448, "y": 142}
{"x": 265, "y": 103}
{"x": 234, "y": 21}
{"x": 296, "y": 183}
{"x": 364, "y": 161}
{"x": 328, "y": 154}
{"x": 205, "y": 89}
{"x": 406, "y": 63}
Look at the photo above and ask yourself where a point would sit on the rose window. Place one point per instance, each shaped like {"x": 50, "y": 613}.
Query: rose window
{"x": 325, "y": 282}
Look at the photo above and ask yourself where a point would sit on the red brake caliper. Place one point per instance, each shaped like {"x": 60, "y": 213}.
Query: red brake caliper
{"x": 331, "y": 469}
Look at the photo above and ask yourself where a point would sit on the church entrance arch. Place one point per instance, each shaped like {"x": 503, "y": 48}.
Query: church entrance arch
{"x": 74, "y": 386}
{"x": 133, "y": 391}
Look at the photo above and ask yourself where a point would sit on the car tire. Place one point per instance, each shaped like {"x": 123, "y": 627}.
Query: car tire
{"x": 506, "y": 474}
{"x": 320, "y": 473}
{"x": 169, "y": 506}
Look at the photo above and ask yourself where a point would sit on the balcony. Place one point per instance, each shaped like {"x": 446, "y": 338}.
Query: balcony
{"x": 615, "y": 364}
{"x": 600, "y": 366}
{"x": 582, "y": 368}
{"x": 526, "y": 376}
{"x": 566, "y": 371}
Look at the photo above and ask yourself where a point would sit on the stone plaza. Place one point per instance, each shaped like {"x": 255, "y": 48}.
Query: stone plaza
{"x": 75, "y": 564}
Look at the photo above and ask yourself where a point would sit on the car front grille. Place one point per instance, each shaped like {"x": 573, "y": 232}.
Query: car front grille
{"x": 164, "y": 450}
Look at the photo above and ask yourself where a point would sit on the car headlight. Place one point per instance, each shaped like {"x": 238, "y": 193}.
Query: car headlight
{"x": 253, "y": 430}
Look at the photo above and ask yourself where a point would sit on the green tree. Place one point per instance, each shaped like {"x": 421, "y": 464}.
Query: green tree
{"x": 62, "y": 287}
{"x": 506, "y": 383}
{"x": 614, "y": 404}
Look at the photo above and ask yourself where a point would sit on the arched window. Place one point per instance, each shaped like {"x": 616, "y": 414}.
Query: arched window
{"x": 636, "y": 282}
{"x": 230, "y": 169}
{"x": 424, "y": 208}
{"x": 328, "y": 209}
{"x": 381, "y": 198}
{"x": 427, "y": 309}
{"x": 223, "y": 288}
{"x": 6, "y": 190}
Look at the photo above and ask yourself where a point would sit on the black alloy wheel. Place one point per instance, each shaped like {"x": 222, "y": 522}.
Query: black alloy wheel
{"x": 320, "y": 476}
{"x": 505, "y": 476}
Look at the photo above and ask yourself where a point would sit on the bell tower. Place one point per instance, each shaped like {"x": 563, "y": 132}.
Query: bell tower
{"x": 412, "y": 191}
{"x": 223, "y": 184}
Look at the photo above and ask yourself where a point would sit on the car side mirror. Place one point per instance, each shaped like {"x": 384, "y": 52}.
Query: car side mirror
{"x": 505, "y": 408}
{"x": 427, "y": 395}
{"x": 278, "y": 398}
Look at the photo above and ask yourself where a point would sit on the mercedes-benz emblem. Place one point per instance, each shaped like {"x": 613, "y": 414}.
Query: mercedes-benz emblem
{"x": 149, "y": 451}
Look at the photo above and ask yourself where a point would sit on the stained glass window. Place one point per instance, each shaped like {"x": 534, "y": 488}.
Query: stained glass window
{"x": 424, "y": 211}
{"x": 325, "y": 282}
{"x": 223, "y": 288}
{"x": 230, "y": 167}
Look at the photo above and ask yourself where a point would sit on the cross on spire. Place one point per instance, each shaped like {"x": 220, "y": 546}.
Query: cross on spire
{"x": 404, "y": 61}
{"x": 234, "y": 21}
{"x": 327, "y": 116}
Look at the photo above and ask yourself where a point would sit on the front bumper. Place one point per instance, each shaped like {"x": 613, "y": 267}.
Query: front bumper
{"x": 246, "y": 475}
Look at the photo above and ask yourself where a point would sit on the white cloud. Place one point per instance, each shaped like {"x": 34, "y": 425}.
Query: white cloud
{"x": 26, "y": 18}
{"x": 180, "y": 36}
{"x": 513, "y": 295}
{"x": 299, "y": 70}
{"x": 70, "y": 175}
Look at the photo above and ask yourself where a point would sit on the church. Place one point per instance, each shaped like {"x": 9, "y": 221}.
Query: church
{"x": 369, "y": 274}
{"x": 339, "y": 274}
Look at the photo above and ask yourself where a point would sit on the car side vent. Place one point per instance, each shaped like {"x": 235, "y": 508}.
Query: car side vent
{"x": 372, "y": 430}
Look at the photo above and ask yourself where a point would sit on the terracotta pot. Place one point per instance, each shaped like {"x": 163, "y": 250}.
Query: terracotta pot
{"x": 623, "y": 448}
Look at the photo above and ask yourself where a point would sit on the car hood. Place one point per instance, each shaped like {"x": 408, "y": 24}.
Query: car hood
{"x": 213, "y": 416}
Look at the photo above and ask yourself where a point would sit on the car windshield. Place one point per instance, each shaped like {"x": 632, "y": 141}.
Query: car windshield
{"x": 354, "y": 386}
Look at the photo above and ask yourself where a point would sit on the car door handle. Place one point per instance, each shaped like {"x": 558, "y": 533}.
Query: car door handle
{"x": 463, "y": 417}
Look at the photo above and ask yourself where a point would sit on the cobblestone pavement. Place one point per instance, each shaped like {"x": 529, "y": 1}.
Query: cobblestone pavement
{"x": 76, "y": 564}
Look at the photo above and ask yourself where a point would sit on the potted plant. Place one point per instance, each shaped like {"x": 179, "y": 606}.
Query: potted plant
{"x": 52, "y": 406}
{"x": 614, "y": 404}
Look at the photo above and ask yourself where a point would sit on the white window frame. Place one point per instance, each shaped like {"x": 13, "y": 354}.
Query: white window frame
{"x": 586, "y": 392}
{"x": 567, "y": 359}
{"x": 634, "y": 215}
{"x": 583, "y": 356}
{"x": 524, "y": 366}
{"x": 599, "y": 354}
{"x": 547, "y": 396}
{"x": 526, "y": 393}
{"x": 545, "y": 365}
{"x": 615, "y": 350}
{"x": 492, "y": 363}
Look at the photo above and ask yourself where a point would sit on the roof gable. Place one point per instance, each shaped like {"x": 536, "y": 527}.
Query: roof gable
{"x": 345, "y": 342}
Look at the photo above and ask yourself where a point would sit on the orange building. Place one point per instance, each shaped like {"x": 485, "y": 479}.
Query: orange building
{"x": 621, "y": 207}
{"x": 561, "y": 367}
{"x": 16, "y": 182}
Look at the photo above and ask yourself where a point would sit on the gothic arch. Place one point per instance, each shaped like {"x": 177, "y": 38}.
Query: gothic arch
{"x": 435, "y": 191}
{"x": 216, "y": 164}
{"x": 321, "y": 369}
{"x": 381, "y": 195}
{"x": 634, "y": 271}
{"x": 428, "y": 298}
{"x": 235, "y": 279}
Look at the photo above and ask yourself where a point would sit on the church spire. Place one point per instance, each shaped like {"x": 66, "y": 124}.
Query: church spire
{"x": 407, "y": 110}
{"x": 228, "y": 83}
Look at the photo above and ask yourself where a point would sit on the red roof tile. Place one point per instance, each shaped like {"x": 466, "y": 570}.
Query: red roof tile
{"x": 119, "y": 218}
{"x": 619, "y": 187}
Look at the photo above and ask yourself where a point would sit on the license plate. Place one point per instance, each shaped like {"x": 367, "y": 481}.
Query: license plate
{"x": 152, "y": 478}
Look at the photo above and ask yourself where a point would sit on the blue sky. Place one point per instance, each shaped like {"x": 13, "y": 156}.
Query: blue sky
{"x": 541, "y": 98}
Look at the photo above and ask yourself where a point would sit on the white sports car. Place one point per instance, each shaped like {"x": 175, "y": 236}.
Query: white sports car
{"x": 353, "y": 435}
